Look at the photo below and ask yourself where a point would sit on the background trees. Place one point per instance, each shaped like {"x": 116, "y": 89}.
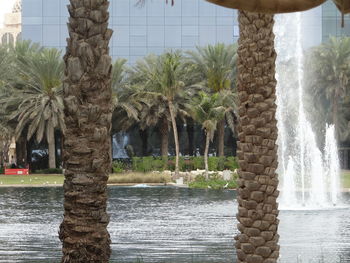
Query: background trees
{"x": 33, "y": 97}
{"x": 216, "y": 66}
{"x": 328, "y": 72}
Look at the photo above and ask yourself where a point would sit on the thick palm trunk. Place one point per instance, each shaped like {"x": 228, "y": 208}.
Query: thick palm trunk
{"x": 257, "y": 149}
{"x": 206, "y": 151}
{"x": 221, "y": 138}
{"x": 52, "y": 153}
{"x": 87, "y": 146}
{"x": 176, "y": 137}
{"x": 164, "y": 133}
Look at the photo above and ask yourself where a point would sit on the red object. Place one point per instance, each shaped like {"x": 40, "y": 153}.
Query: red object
{"x": 16, "y": 171}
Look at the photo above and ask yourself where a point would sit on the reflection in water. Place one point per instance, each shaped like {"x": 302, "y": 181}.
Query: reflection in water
{"x": 170, "y": 225}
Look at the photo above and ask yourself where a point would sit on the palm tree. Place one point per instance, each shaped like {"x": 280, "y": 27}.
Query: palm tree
{"x": 329, "y": 71}
{"x": 35, "y": 100}
{"x": 87, "y": 146}
{"x": 127, "y": 108}
{"x": 257, "y": 129}
{"x": 216, "y": 67}
{"x": 163, "y": 81}
{"x": 207, "y": 111}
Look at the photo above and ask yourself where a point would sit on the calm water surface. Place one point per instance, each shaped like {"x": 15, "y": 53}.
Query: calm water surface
{"x": 170, "y": 225}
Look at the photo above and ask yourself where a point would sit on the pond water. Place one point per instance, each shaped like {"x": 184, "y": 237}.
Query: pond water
{"x": 170, "y": 225}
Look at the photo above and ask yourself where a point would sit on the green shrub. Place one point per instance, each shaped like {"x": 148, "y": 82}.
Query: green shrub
{"x": 118, "y": 167}
{"x": 214, "y": 182}
{"x": 198, "y": 162}
{"x": 1, "y": 170}
{"x": 188, "y": 164}
{"x": 49, "y": 171}
{"x": 213, "y": 163}
{"x": 137, "y": 164}
{"x": 231, "y": 163}
{"x": 221, "y": 163}
{"x": 158, "y": 164}
{"x": 147, "y": 164}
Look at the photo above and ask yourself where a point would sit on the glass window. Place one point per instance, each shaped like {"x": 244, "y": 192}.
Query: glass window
{"x": 207, "y": 35}
{"x": 155, "y": 36}
{"x": 33, "y": 33}
{"x": 138, "y": 51}
{"x": 190, "y": 30}
{"x": 207, "y": 20}
{"x": 121, "y": 36}
{"x": 51, "y": 35}
{"x": 122, "y": 7}
{"x": 190, "y": 20}
{"x": 190, "y": 41}
{"x": 174, "y": 10}
{"x": 207, "y": 9}
{"x": 155, "y": 21}
{"x": 138, "y": 30}
{"x": 190, "y": 8}
{"x": 224, "y": 21}
{"x": 32, "y": 8}
{"x": 172, "y": 36}
{"x": 51, "y": 8}
{"x": 173, "y": 20}
{"x": 137, "y": 41}
{"x": 224, "y": 34}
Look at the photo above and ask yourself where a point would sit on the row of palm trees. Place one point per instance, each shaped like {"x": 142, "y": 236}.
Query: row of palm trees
{"x": 156, "y": 91}
{"x": 159, "y": 89}
{"x": 196, "y": 85}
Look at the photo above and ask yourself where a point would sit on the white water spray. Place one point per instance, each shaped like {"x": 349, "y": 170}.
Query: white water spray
{"x": 309, "y": 179}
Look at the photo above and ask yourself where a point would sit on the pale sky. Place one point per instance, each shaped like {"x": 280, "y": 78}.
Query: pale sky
{"x": 5, "y": 7}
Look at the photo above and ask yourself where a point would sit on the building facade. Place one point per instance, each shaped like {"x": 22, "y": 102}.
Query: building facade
{"x": 138, "y": 30}
{"x": 11, "y": 31}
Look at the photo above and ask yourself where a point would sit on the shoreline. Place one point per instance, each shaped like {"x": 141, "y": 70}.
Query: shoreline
{"x": 343, "y": 190}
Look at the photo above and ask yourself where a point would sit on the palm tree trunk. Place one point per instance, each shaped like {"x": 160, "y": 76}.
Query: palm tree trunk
{"x": 221, "y": 138}
{"x": 176, "y": 137}
{"x": 206, "y": 151}
{"x": 87, "y": 145}
{"x": 190, "y": 135}
{"x": 52, "y": 152}
{"x": 257, "y": 133}
{"x": 144, "y": 139}
{"x": 164, "y": 133}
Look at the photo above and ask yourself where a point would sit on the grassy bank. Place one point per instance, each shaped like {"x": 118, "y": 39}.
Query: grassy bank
{"x": 57, "y": 179}
{"x": 33, "y": 179}
{"x": 132, "y": 178}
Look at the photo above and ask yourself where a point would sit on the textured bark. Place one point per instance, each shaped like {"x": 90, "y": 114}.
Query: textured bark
{"x": 21, "y": 151}
{"x": 257, "y": 149}
{"x": 144, "y": 139}
{"x": 52, "y": 153}
{"x": 270, "y": 6}
{"x": 221, "y": 138}
{"x": 176, "y": 137}
{"x": 164, "y": 133}
{"x": 206, "y": 151}
{"x": 190, "y": 136}
{"x": 87, "y": 146}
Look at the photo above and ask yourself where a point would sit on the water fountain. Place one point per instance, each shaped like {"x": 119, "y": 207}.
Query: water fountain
{"x": 309, "y": 177}
{"x": 120, "y": 141}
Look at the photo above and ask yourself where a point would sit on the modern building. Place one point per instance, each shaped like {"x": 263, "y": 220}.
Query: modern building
{"x": 11, "y": 31}
{"x": 138, "y": 30}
